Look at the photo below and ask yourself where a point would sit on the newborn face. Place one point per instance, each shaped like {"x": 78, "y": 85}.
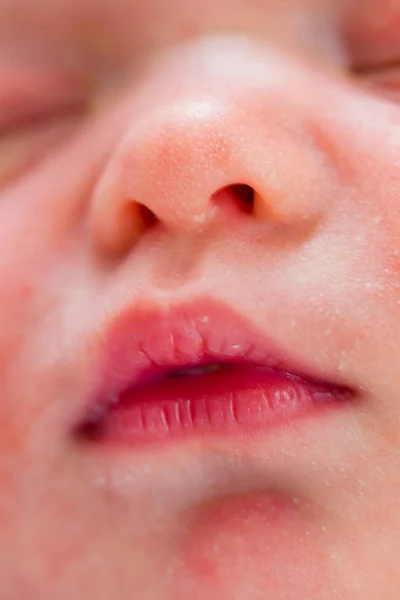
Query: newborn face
{"x": 199, "y": 299}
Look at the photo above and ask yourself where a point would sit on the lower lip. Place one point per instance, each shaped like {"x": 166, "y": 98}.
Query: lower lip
{"x": 228, "y": 402}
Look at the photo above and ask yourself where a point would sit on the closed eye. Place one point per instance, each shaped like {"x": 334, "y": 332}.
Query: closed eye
{"x": 37, "y": 111}
{"x": 382, "y": 79}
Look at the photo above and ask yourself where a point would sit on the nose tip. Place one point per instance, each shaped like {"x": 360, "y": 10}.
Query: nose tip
{"x": 193, "y": 162}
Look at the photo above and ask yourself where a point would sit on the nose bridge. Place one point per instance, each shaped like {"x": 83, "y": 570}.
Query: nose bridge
{"x": 214, "y": 131}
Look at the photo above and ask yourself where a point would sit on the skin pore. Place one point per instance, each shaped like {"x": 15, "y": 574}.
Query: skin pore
{"x": 120, "y": 123}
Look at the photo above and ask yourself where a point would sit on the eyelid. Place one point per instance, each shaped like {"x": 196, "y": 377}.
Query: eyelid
{"x": 23, "y": 149}
{"x": 381, "y": 80}
{"x": 38, "y": 111}
{"x": 30, "y": 93}
{"x": 378, "y": 68}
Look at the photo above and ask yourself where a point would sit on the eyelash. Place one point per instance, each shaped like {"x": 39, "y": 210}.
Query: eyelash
{"x": 382, "y": 79}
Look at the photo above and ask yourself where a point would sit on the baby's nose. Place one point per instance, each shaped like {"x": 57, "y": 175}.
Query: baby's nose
{"x": 219, "y": 140}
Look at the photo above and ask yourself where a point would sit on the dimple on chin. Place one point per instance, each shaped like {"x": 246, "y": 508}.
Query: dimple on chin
{"x": 244, "y": 542}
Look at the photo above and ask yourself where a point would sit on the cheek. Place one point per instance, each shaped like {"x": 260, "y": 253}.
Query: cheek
{"x": 387, "y": 220}
{"x": 249, "y": 542}
{"x": 368, "y": 206}
{"x": 25, "y": 252}
{"x": 38, "y": 225}
{"x": 29, "y": 247}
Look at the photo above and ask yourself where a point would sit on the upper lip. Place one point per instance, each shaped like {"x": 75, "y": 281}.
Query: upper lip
{"x": 140, "y": 343}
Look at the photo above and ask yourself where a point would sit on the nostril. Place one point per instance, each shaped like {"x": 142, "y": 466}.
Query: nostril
{"x": 147, "y": 217}
{"x": 135, "y": 218}
{"x": 239, "y": 196}
{"x": 126, "y": 226}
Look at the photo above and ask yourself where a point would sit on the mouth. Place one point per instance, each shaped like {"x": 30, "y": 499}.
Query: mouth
{"x": 196, "y": 371}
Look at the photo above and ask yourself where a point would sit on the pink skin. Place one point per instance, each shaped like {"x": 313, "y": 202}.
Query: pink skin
{"x": 189, "y": 98}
